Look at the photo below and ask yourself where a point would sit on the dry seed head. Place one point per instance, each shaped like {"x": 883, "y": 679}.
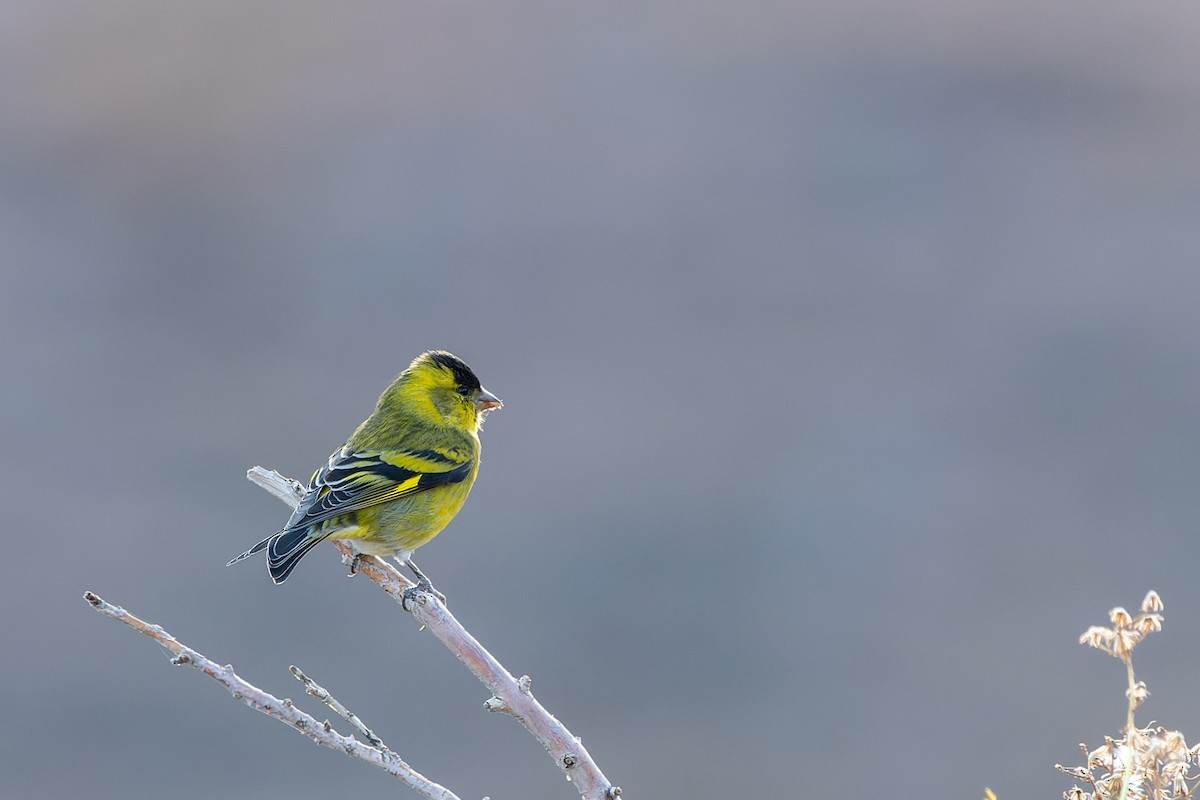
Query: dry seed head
{"x": 1149, "y": 623}
{"x": 1127, "y": 631}
{"x": 1135, "y": 786}
{"x": 1137, "y": 694}
{"x": 1074, "y": 772}
{"x": 1098, "y": 637}
{"x": 1175, "y": 746}
{"x": 1152, "y": 602}
{"x": 1149, "y": 762}
{"x": 1124, "y": 642}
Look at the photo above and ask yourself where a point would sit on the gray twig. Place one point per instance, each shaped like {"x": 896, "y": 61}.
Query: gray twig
{"x": 314, "y": 689}
{"x": 283, "y": 710}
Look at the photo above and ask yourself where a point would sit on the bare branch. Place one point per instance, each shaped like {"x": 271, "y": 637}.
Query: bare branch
{"x": 314, "y": 689}
{"x": 509, "y": 695}
{"x": 288, "y": 490}
{"x": 283, "y": 710}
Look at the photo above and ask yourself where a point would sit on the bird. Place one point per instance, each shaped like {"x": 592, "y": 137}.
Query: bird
{"x": 400, "y": 478}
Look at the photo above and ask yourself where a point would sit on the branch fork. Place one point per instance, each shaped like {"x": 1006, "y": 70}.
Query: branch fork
{"x": 512, "y": 696}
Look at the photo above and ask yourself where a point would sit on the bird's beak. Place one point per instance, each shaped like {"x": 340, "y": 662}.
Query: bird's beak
{"x": 487, "y": 401}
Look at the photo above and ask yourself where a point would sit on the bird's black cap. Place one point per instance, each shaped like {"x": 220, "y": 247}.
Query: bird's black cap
{"x": 463, "y": 375}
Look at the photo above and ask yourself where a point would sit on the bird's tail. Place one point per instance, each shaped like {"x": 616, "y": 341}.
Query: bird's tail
{"x": 284, "y": 551}
{"x": 258, "y": 548}
{"x": 286, "y": 548}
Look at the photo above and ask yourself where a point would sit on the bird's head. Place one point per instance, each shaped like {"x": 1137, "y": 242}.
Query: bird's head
{"x": 441, "y": 388}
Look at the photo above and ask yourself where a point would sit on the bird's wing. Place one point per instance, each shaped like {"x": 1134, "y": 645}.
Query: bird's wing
{"x": 352, "y": 480}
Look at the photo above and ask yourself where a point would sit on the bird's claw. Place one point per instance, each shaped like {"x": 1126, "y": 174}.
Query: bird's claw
{"x": 354, "y": 565}
{"x": 409, "y": 595}
{"x": 423, "y": 587}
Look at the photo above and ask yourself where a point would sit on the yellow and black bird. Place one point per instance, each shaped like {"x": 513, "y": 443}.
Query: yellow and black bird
{"x": 401, "y": 477}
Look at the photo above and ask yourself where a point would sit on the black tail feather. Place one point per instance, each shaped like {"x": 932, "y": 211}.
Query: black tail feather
{"x": 286, "y": 549}
{"x": 258, "y": 548}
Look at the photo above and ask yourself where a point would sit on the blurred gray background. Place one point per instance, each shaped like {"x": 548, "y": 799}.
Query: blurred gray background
{"x": 849, "y": 352}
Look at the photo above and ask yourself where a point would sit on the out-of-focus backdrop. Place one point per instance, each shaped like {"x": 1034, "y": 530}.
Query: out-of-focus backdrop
{"x": 849, "y": 350}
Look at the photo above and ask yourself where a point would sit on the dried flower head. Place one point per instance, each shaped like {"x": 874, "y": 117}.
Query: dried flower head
{"x": 1146, "y": 763}
{"x": 1120, "y": 617}
{"x": 1137, "y": 694}
{"x": 1148, "y": 623}
{"x": 1150, "y": 763}
{"x": 1127, "y": 631}
{"x": 1098, "y": 637}
{"x": 1152, "y": 602}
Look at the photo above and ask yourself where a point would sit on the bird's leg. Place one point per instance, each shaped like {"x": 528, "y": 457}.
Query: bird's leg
{"x": 423, "y": 585}
{"x": 354, "y": 565}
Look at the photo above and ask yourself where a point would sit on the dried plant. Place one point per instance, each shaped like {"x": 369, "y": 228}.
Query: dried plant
{"x": 1150, "y": 763}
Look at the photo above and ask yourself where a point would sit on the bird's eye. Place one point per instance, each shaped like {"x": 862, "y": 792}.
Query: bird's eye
{"x": 463, "y": 390}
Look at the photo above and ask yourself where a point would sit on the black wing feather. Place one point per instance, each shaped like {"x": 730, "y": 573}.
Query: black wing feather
{"x": 349, "y": 481}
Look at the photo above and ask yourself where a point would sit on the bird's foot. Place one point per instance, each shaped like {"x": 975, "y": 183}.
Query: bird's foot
{"x": 410, "y": 594}
{"x": 408, "y": 597}
{"x": 354, "y": 565}
{"x": 423, "y": 587}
